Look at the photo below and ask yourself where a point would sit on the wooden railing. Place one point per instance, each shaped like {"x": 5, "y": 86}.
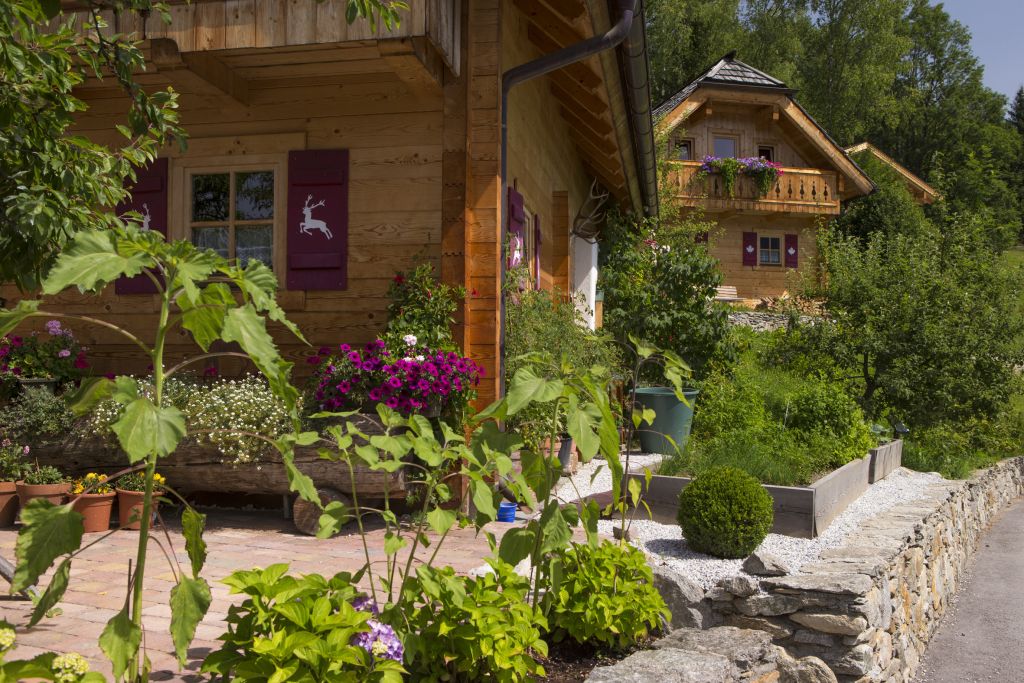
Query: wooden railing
{"x": 797, "y": 190}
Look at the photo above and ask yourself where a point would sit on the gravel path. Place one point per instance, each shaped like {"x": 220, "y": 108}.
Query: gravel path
{"x": 664, "y": 543}
{"x": 596, "y": 477}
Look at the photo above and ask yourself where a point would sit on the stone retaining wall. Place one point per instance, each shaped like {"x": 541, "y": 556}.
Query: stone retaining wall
{"x": 869, "y": 607}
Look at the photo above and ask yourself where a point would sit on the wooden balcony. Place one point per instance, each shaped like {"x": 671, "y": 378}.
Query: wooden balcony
{"x": 797, "y": 190}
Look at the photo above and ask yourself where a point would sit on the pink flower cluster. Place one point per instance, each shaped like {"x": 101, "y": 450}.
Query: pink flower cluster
{"x": 421, "y": 379}
{"x": 55, "y": 355}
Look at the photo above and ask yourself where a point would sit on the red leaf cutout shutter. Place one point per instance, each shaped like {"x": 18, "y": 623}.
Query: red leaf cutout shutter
{"x": 750, "y": 248}
{"x": 516, "y": 229}
{"x": 792, "y": 252}
{"x": 149, "y": 198}
{"x": 317, "y": 238}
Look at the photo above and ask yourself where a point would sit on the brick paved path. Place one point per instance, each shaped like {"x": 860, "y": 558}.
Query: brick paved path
{"x": 236, "y": 540}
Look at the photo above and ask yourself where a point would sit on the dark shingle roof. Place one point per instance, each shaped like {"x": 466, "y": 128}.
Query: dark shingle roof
{"x": 728, "y": 70}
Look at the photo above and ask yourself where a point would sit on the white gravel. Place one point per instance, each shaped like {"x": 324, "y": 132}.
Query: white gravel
{"x": 596, "y": 477}
{"x": 664, "y": 544}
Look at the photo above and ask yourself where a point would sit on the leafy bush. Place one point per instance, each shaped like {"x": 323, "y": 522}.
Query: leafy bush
{"x": 725, "y": 512}
{"x": 44, "y": 474}
{"x": 423, "y": 307}
{"x": 955, "y": 450}
{"x": 826, "y": 417}
{"x": 54, "y": 355}
{"x": 36, "y": 414}
{"x": 13, "y": 464}
{"x": 474, "y": 628}
{"x": 606, "y": 596}
{"x": 307, "y": 628}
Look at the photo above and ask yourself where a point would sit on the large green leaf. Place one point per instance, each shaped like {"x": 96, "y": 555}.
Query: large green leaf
{"x": 557, "y": 533}
{"x": 40, "y": 666}
{"x": 247, "y": 327}
{"x": 189, "y": 601}
{"x": 195, "y": 267}
{"x": 483, "y": 499}
{"x": 90, "y": 392}
{"x": 441, "y": 520}
{"x": 10, "y": 318}
{"x": 90, "y": 261}
{"x": 528, "y": 387}
{"x": 53, "y": 593}
{"x": 143, "y": 429}
{"x": 517, "y": 544}
{"x": 582, "y": 426}
{"x": 120, "y": 641}
{"x": 47, "y": 532}
{"x": 335, "y": 516}
{"x": 297, "y": 480}
{"x": 192, "y": 525}
{"x": 204, "y": 317}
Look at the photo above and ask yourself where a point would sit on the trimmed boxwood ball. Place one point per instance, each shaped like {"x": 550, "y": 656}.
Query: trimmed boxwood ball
{"x": 725, "y": 512}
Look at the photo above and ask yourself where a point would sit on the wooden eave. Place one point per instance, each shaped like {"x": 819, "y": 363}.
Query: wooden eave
{"x": 921, "y": 190}
{"x": 856, "y": 184}
{"x": 588, "y": 92}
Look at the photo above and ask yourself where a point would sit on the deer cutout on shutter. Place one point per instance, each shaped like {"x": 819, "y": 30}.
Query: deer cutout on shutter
{"x": 310, "y": 224}
{"x": 146, "y": 217}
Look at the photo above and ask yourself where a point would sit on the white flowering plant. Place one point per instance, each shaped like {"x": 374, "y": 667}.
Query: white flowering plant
{"x": 50, "y": 666}
{"x": 236, "y": 416}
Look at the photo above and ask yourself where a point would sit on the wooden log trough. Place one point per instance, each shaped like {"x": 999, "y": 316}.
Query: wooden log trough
{"x": 803, "y": 511}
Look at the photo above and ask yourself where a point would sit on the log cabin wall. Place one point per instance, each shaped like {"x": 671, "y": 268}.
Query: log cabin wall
{"x": 752, "y": 282}
{"x": 543, "y": 163}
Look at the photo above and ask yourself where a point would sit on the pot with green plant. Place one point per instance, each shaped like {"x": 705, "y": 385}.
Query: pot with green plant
{"x": 43, "y": 360}
{"x": 43, "y": 481}
{"x": 131, "y": 495}
{"x": 94, "y": 500}
{"x": 12, "y": 468}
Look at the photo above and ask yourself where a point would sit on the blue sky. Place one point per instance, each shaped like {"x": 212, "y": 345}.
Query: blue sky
{"x": 996, "y": 38}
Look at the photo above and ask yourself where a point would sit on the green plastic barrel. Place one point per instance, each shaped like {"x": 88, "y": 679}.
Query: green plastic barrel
{"x": 672, "y": 418}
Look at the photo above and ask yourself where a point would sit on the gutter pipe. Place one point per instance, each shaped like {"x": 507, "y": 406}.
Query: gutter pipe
{"x": 636, "y": 75}
{"x": 553, "y": 61}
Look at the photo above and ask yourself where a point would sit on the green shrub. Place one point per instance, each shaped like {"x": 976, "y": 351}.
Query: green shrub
{"x": 13, "y": 464}
{"x": 44, "y": 474}
{"x": 771, "y": 454}
{"x": 606, "y": 596}
{"x": 473, "y": 629}
{"x": 423, "y": 307}
{"x": 306, "y": 628}
{"x": 725, "y": 512}
{"x": 826, "y": 418}
{"x": 36, "y": 414}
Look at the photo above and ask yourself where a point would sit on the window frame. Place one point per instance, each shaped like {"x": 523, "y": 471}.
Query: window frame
{"x": 530, "y": 242}
{"x": 681, "y": 142}
{"x": 763, "y": 251}
{"x": 737, "y": 153}
{"x": 181, "y": 192}
{"x": 769, "y": 147}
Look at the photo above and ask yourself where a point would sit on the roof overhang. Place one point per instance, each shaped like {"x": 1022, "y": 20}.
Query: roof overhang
{"x": 922, "y": 191}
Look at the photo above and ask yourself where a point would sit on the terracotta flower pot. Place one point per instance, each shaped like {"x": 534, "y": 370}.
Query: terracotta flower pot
{"x": 129, "y": 508}
{"x": 8, "y": 503}
{"x": 54, "y": 493}
{"x": 96, "y": 509}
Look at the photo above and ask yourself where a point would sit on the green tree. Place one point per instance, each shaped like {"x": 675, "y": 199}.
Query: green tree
{"x": 890, "y": 210}
{"x": 1016, "y": 115}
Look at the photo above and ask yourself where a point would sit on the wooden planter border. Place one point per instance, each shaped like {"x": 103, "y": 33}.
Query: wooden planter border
{"x": 803, "y": 511}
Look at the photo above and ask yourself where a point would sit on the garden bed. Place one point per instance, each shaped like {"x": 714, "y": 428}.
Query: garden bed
{"x": 802, "y": 511}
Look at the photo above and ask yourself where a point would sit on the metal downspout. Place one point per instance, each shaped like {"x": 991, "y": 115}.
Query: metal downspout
{"x": 553, "y": 61}
{"x": 636, "y": 75}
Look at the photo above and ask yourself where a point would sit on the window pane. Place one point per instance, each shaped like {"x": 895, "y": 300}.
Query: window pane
{"x": 255, "y": 242}
{"x": 254, "y": 195}
{"x": 767, "y": 153}
{"x": 212, "y": 238}
{"x": 725, "y": 147}
{"x": 210, "y": 197}
{"x": 683, "y": 151}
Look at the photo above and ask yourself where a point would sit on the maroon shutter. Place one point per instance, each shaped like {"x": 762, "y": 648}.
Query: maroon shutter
{"x": 516, "y": 228}
{"x": 149, "y": 198}
{"x": 317, "y": 247}
{"x": 750, "y": 248}
{"x": 536, "y": 250}
{"x": 792, "y": 252}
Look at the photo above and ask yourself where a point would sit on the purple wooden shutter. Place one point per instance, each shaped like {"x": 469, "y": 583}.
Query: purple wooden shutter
{"x": 516, "y": 228}
{"x": 792, "y": 252}
{"x": 536, "y": 250}
{"x": 317, "y": 238}
{"x": 750, "y": 248}
{"x": 149, "y": 198}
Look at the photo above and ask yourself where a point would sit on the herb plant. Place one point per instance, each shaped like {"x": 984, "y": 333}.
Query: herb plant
{"x": 474, "y": 629}
{"x": 36, "y": 414}
{"x": 606, "y": 596}
{"x": 13, "y": 464}
{"x": 422, "y": 307}
{"x": 305, "y": 628}
{"x": 44, "y": 474}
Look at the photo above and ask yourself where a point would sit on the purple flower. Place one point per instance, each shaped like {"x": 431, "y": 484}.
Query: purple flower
{"x": 324, "y": 351}
{"x": 392, "y": 402}
{"x": 364, "y": 603}
{"x": 344, "y": 386}
{"x": 64, "y": 353}
{"x": 344, "y": 347}
{"x": 380, "y": 343}
{"x": 375, "y": 394}
{"x": 381, "y": 641}
{"x": 354, "y": 356}
{"x": 395, "y": 383}
{"x": 53, "y": 327}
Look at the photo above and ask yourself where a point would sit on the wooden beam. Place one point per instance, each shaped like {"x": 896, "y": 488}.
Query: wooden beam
{"x": 579, "y": 71}
{"x": 570, "y": 9}
{"x": 410, "y": 60}
{"x": 550, "y": 22}
{"x": 573, "y": 94}
{"x": 217, "y": 74}
{"x": 598, "y": 128}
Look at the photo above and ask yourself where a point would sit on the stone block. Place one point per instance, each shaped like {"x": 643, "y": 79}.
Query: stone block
{"x": 836, "y": 624}
{"x": 855, "y": 662}
{"x": 768, "y": 605}
{"x": 808, "y": 637}
{"x": 745, "y": 648}
{"x": 806, "y": 670}
{"x": 667, "y": 666}
{"x": 765, "y": 564}
{"x": 740, "y": 586}
{"x": 838, "y": 584}
{"x": 773, "y": 627}
{"x": 684, "y": 598}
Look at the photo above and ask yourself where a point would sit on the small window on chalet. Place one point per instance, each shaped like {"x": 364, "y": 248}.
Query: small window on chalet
{"x": 766, "y": 152}
{"x": 684, "y": 150}
{"x": 725, "y": 146}
{"x": 770, "y": 251}
{"x": 232, "y": 212}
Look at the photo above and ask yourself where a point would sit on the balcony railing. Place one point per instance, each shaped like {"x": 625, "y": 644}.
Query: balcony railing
{"x": 797, "y": 190}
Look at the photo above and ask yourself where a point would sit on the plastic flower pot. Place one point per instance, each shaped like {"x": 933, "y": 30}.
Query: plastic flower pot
{"x": 507, "y": 511}
{"x": 672, "y": 419}
{"x": 8, "y": 503}
{"x": 129, "y": 508}
{"x": 95, "y": 508}
{"x": 54, "y": 493}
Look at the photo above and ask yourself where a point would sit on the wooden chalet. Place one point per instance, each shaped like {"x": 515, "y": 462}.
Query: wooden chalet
{"x": 734, "y": 110}
{"x": 339, "y": 155}
{"x": 922, "y": 192}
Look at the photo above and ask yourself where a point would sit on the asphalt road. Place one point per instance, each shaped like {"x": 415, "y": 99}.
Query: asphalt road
{"x": 982, "y": 637}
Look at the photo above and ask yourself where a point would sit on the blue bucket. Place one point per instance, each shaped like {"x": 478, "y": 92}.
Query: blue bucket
{"x": 507, "y": 512}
